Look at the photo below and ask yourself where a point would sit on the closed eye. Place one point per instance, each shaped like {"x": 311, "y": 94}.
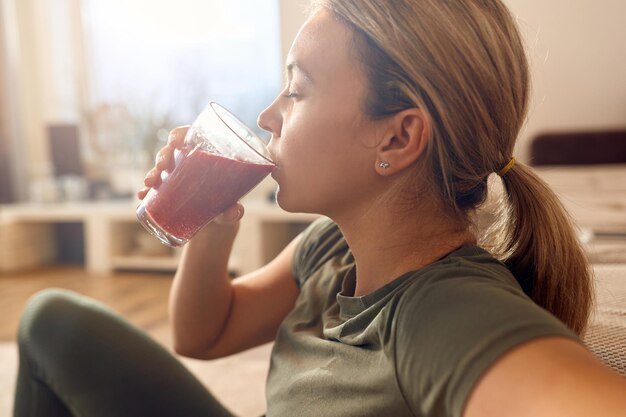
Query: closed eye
{"x": 289, "y": 92}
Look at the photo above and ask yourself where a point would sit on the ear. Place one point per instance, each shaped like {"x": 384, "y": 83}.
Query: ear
{"x": 405, "y": 141}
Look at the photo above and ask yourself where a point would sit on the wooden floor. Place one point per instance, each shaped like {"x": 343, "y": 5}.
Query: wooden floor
{"x": 237, "y": 381}
{"x": 139, "y": 297}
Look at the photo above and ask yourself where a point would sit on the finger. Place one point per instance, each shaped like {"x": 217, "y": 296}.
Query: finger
{"x": 141, "y": 194}
{"x": 153, "y": 178}
{"x": 171, "y": 161}
{"x": 231, "y": 215}
{"x": 163, "y": 158}
{"x": 177, "y": 137}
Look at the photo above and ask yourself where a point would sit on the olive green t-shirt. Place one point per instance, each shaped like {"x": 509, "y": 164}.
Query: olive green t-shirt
{"x": 415, "y": 347}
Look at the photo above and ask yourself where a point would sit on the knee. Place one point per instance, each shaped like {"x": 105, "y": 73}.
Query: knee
{"x": 48, "y": 317}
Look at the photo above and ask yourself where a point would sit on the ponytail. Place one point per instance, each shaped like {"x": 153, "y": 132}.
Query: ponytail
{"x": 534, "y": 236}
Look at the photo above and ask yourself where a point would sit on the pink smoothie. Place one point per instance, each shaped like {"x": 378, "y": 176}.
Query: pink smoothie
{"x": 201, "y": 186}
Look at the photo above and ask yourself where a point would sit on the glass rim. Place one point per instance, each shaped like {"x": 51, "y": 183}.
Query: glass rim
{"x": 216, "y": 107}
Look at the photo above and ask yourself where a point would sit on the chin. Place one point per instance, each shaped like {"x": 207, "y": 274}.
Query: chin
{"x": 292, "y": 204}
{"x": 284, "y": 202}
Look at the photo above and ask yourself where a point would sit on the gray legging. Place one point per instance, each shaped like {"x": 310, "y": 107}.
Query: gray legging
{"x": 78, "y": 358}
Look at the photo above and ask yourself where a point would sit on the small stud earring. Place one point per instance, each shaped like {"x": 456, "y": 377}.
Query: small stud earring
{"x": 384, "y": 165}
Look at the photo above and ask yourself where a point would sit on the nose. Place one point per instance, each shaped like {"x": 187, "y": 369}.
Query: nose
{"x": 270, "y": 119}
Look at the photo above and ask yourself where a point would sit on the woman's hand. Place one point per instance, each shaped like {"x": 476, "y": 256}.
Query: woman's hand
{"x": 164, "y": 161}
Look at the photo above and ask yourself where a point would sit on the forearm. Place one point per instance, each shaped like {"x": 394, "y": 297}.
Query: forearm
{"x": 201, "y": 295}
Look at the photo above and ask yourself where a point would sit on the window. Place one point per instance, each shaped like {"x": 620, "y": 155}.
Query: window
{"x": 154, "y": 64}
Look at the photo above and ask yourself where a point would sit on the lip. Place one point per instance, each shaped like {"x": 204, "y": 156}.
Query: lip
{"x": 274, "y": 160}
{"x": 275, "y": 173}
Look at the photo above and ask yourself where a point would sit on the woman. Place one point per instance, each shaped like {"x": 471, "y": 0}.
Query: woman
{"x": 394, "y": 116}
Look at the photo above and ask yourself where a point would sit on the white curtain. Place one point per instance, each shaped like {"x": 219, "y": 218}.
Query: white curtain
{"x": 12, "y": 173}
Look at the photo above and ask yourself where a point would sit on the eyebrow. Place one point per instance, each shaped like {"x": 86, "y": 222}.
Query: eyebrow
{"x": 296, "y": 66}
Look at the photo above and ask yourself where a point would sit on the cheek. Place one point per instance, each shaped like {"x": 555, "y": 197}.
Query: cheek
{"x": 319, "y": 129}
{"x": 313, "y": 149}
{"x": 319, "y": 162}
{"x": 303, "y": 141}
{"x": 320, "y": 148}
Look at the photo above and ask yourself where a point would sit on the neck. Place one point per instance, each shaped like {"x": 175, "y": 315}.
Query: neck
{"x": 388, "y": 243}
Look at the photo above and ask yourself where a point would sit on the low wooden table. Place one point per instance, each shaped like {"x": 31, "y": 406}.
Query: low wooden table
{"x": 111, "y": 231}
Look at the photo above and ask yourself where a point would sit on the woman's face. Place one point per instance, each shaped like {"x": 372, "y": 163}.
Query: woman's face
{"x": 322, "y": 142}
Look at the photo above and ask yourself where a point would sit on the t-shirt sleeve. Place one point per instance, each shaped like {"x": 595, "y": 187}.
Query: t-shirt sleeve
{"x": 454, "y": 329}
{"x": 320, "y": 241}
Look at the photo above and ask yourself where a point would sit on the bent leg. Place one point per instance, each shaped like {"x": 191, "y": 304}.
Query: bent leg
{"x": 79, "y": 358}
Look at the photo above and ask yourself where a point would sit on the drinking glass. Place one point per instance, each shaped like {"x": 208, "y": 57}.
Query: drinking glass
{"x": 221, "y": 160}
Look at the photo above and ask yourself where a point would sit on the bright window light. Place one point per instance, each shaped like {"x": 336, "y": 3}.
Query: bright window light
{"x": 155, "y": 64}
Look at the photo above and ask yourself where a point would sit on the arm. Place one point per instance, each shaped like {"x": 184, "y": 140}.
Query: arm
{"x": 212, "y": 315}
{"x": 549, "y": 377}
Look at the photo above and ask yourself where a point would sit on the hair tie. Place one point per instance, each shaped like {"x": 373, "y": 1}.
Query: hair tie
{"x": 507, "y": 168}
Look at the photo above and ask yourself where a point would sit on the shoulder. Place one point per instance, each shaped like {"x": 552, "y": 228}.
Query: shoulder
{"x": 455, "y": 319}
{"x": 320, "y": 242}
{"x": 467, "y": 278}
{"x": 469, "y": 274}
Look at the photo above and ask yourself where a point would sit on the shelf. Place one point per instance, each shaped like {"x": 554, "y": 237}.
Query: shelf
{"x": 112, "y": 234}
{"x": 157, "y": 263}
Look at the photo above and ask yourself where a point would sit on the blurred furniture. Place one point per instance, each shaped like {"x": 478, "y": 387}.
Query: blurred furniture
{"x": 114, "y": 239}
{"x": 588, "y": 171}
{"x": 6, "y": 183}
{"x": 579, "y": 148}
{"x": 25, "y": 246}
{"x": 65, "y": 150}
{"x": 595, "y": 197}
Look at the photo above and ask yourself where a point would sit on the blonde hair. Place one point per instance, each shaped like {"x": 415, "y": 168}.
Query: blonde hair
{"x": 463, "y": 62}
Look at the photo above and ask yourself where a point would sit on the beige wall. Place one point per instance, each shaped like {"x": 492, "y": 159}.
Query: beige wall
{"x": 578, "y": 53}
{"x": 292, "y": 15}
